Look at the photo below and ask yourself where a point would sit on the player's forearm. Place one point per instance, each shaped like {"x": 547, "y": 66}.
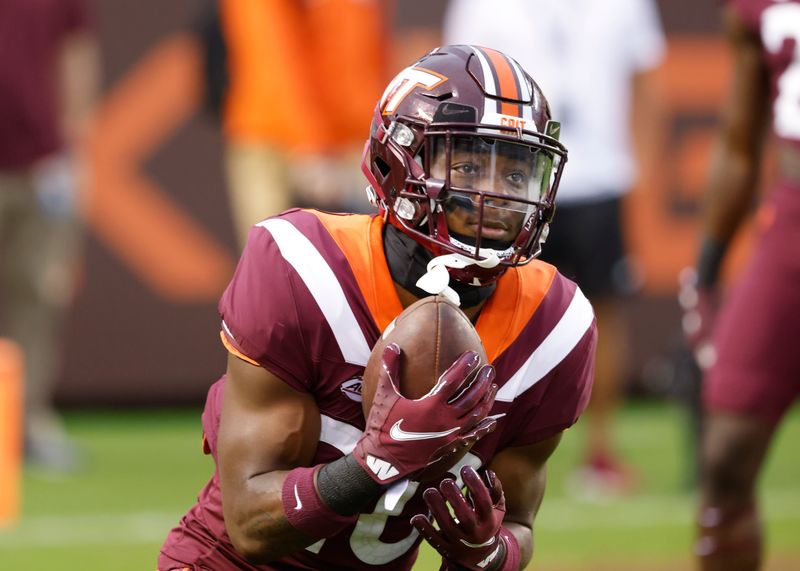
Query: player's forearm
{"x": 284, "y": 511}
{"x": 256, "y": 522}
{"x": 730, "y": 196}
{"x": 731, "y": 193}
{"x": 732, "y": 183}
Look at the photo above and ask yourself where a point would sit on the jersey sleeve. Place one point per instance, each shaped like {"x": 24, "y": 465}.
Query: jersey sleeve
{"x": 260, "y": 317}
{"x": 557, "y": 401}
{"x": 569, "y": 389}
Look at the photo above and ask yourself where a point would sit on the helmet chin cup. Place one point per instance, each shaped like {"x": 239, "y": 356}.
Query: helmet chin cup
{"x": 436, "y": 280}
{"x": 489, "y": 258}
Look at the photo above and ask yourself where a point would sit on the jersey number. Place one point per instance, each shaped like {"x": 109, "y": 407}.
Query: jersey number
{"x": 781, "y": 22}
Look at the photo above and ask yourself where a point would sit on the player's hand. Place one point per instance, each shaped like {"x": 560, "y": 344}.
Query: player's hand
{"x": 404, "y": 436}
{"x": 699, "y": 306}
{"x": 469, "y": 538}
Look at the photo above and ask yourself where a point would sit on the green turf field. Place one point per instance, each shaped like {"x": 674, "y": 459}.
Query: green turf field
{"x": 145, "y": 467}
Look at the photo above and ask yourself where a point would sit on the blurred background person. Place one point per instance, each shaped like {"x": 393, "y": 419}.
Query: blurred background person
{"x": 293, "y": 113}
{"x": 597, "y": 60}
{"x": 752, "y": 358}
{"x": 48, "y": 80}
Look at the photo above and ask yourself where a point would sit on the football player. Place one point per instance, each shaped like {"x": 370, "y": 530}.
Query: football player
{"x": 751, "y": 360}
{"x": 463, "y": 165}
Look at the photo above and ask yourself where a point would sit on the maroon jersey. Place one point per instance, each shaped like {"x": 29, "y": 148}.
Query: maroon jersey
{"x": 31, "y": 38}
{"x": 310, "y": 297}
{"x": 777, "y": 23}
{"x": 755, "y": 335}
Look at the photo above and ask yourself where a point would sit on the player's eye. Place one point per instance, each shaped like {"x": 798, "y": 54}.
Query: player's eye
{"x": 517, "y": 178}
{"x": 465, "y": 169}
{"x": 516, "y": 181}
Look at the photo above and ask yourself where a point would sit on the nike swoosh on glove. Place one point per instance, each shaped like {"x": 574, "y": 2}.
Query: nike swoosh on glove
{"x": 469, "y": 537}
{"x": 404, "y": 436}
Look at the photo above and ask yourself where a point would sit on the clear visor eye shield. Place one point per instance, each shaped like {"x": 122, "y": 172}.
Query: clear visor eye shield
{"x": 492, "y": 184}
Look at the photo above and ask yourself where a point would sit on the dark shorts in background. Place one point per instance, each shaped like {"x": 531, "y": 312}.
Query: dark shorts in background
{"x": 757, "y": 337}
{"x": 585, "y": 244}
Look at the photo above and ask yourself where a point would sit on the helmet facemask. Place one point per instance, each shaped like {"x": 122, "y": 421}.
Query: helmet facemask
{"x": 480, "y": 193}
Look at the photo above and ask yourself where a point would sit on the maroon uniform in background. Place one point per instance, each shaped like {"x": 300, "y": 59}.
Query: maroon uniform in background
{"x": 310, "y": 297}
{"x": 756, "y": 338}
{"x": 49, "y": 70}
{"x": 31, "y": 34}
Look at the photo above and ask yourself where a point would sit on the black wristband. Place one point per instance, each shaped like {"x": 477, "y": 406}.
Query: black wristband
{"x": 711, "y": 254}
{"x": 345, "y": 487}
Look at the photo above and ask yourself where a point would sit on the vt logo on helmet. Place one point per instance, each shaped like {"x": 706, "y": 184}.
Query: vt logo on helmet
{"x": 464, "y": 158}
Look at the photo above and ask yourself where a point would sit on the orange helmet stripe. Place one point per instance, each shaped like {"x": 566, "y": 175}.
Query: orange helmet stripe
{"x": 506, "y": 80}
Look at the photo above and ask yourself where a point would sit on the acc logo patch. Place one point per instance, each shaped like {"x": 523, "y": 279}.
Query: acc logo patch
{"x": 352, "y": 389}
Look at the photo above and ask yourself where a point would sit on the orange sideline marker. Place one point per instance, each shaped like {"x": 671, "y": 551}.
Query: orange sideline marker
{"x": 10, "y": 431}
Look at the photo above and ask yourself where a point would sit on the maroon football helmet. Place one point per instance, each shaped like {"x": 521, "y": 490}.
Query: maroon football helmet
{"x": 464, "y": 158}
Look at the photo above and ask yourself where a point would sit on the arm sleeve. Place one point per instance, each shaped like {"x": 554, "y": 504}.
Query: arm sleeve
{"x": 260, "y": 316}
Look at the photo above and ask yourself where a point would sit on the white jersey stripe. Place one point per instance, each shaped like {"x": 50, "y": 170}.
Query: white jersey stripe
{"x": 338, "y": 434}
{"x": 562, "y": 339}
{"x": 323, "y": 285}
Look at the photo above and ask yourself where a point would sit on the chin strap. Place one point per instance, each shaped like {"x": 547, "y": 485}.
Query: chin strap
{"x": 436, "y": 280}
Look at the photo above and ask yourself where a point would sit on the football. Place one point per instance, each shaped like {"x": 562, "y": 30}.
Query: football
{"x": 431, "y": 333}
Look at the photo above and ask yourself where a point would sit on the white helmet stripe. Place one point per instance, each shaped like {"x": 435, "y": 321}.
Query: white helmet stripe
{"x": 488, "y": 75}
{"x": 489, "y": 105}
{"x": 524, "y": 89}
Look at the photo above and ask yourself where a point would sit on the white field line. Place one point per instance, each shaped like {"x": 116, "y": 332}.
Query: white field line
{"x": 649, "y": 511}
{"x": 557, "y": 515}
{"x": 89, "y": 529}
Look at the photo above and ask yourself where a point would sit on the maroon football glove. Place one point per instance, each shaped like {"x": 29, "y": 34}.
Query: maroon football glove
{"x": 470, "y": 537}
{"x": 403, "y": 436}
{"x": 699, "y": 305}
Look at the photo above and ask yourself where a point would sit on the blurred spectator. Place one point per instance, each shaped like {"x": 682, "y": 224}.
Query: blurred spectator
{"x": 595, "y": 60}
{"x": 751, "y": 360}
{"x": 48, "y": 80}
{"x": 294, "y": 112}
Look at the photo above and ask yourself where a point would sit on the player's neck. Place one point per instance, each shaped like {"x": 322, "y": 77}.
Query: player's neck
{"x": 408, "y": 261}
{"x": 407, "y": 298}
